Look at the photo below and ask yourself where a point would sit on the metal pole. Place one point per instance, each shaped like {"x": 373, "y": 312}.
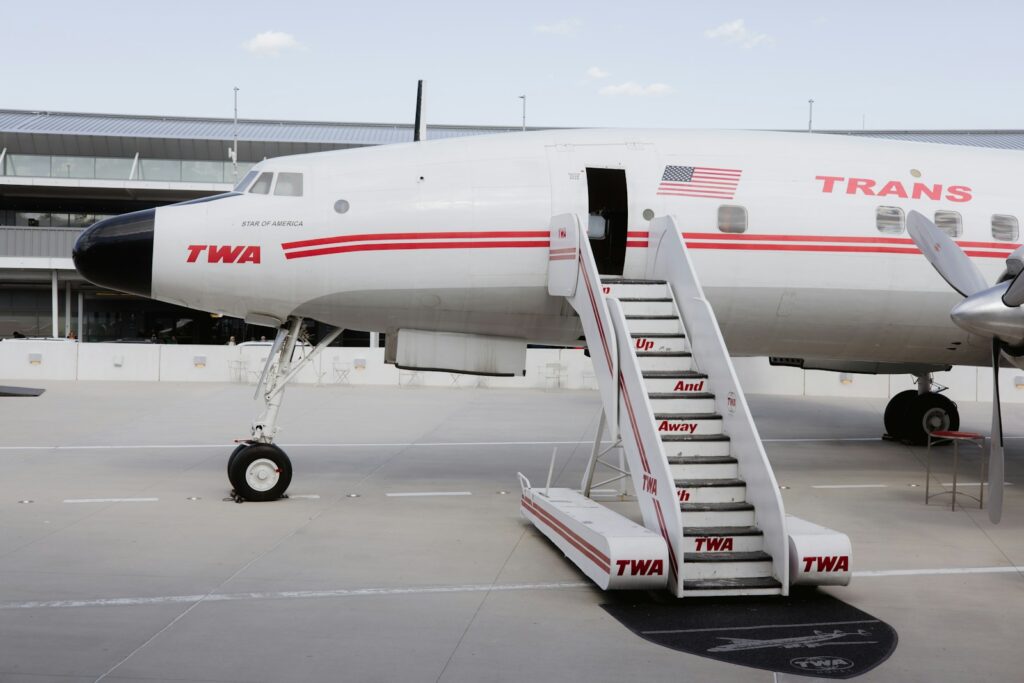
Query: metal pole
{"x": 523, "y": 98}
{"x": 374, "y": 340}
{"x": 419, "y": 132}
{"x": 810, "y": 115}
{"x": 81, "y": 316}
{"x": 234, "y": 150}
{"x": 67, "y": 309}
{"x": 54, "y": 308}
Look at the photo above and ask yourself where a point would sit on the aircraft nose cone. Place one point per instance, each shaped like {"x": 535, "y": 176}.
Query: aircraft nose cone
{"x": 117, "y": 253}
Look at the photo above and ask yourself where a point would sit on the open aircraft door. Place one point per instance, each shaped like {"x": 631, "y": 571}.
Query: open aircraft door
{"x": 604, "y": 183}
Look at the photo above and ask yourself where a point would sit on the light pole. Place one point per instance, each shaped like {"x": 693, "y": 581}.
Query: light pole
{"x": 810, "y": 115}
{"x": 234, "y": 150}
{"x": 523, "y": 98}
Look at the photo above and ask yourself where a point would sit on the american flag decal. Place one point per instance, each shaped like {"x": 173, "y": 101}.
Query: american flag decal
{"x": 699, "y": 181}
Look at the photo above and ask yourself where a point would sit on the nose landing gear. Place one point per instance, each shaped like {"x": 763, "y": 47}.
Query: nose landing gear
{"x": 258, "y": 469}
{"x": 913, "y": 414}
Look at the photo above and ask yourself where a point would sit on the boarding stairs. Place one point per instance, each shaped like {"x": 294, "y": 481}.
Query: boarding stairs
{"x": 713, "y": 518}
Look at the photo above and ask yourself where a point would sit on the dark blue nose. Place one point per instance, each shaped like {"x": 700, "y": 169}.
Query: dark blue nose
{"x": 117, "y": 253}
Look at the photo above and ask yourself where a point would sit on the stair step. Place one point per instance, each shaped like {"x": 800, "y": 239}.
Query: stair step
{"x": 660, "y": 341}
{"x": 674, "y": 374}
{"x": 722, "y": 531}
{"x": 704, "y": 468}
{"x": 685, "y": 382}
{"x": 717, "y": 514}
{"x": 634, "y": 299}
{"x": 731, "y": 490}
{"x": 683, "y": 403}
{"x": 654, "y": 324}
{"x": 696, "y": 446}
{"x": 722, "y": 539}
{"x": 765, "y": 585}
{"x": 665, "y": 361}
{"x": 632, "y": 289}
{"x": 657, "y": 308}
{"x": 708, "y": 483}
{"x": 612, "y": 280}
{"x": 699, "y": 425}
{"x": 736, "y": 556}
{"x": 715, "y": 507}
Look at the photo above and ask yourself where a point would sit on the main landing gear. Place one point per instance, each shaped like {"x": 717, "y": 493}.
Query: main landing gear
{"x": 911, "y": 415}
{"x": 258, "y": 469}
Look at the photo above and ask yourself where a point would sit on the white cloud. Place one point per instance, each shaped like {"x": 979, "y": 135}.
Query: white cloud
{"x": 636, "y": 89}
{"x": 271, "y": 43}
{"x": 566, "y": 27}
{"x": 737, "y": 32}
{"x": 596, "y": 73}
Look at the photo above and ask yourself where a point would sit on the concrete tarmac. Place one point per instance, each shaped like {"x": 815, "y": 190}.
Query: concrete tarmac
{"x": 120, "y": 560}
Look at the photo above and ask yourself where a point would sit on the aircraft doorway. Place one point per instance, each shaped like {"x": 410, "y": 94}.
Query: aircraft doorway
{"x": 606, "y": 194}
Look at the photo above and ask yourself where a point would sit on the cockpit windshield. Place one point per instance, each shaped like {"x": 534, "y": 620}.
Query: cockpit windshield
{"x": 244, "y": 182}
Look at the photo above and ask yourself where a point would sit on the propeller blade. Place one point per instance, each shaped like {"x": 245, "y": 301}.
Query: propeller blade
{"x": 995, "y": 452}
{"x": 945, "y": 255}
{"x": 1014, "y": 295}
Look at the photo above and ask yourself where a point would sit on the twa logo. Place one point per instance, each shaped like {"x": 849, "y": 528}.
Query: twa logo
{"x": 606, "y": 290}
{"x": 224, "y": 254}
{"x": 688, "y": 427}
{"x": 689, "y": 386}
{"x": 644, "y": 344}
{"x": 832, "y": 184}
{"x": 828, "y": 563}
{"x": 561, "y": 233}
{"x": 641, "y": 567}
{"x": 683, "y": 495}
{"x": 714, "y": 544}
{"x": 650, "y": 485}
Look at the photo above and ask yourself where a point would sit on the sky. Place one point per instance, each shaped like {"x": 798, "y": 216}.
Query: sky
{"x": 900, "y": 64}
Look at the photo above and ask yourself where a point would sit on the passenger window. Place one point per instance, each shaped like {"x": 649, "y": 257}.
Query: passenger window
{"x": 244, "y": 182}
{"x": 732, "y": 218}
{"x": 1005, "y": 228}
{"x": 288, "y": 185}
{"x": 889, "y": 220}
{"x": 949, "y": 222}
{"x": 262, "y": 184}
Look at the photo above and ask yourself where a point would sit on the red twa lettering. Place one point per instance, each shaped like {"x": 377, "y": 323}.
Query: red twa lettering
{"x": 650, "y": 485}
{"x": 224, "y": 253}
{"x": 714, "y": 544}
{"x": 641, "y": 567}
{"x": 863, "y": 185}
{"x": 689, "y": 386}
{"x": 828, "y": 563}
{"x": 666, "y": 426}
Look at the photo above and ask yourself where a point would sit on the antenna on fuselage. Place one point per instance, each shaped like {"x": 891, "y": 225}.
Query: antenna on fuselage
{"x": 420, "y": 131}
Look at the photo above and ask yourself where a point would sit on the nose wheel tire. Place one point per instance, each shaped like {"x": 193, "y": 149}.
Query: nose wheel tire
{"x": 915, "y": 416}
{"x": 259, "y": 472}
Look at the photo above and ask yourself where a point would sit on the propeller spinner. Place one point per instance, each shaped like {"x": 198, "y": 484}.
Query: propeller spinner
{"x": 992, "y": 312}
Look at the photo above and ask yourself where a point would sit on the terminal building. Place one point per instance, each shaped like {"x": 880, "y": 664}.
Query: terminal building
{"x": 60, "y": 172}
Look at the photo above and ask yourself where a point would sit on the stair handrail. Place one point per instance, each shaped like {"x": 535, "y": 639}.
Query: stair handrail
{"x": 669, "y": 260}
{"x": 649, "y": 468}
{"x": 572, "y": 273}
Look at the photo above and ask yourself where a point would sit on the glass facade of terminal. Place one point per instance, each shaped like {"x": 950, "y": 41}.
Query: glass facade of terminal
{"x": 112, "y": 168}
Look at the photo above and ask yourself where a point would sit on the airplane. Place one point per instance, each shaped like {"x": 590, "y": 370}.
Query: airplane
{"x": 819, "y": 639}
{"x": 800, "y": 242}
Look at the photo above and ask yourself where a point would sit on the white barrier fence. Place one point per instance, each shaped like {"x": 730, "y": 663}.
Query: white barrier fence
{"x": 30, "y": 359}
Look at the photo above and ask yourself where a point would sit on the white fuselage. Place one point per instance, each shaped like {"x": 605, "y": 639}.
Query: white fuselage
{"x": 453, "y": 235}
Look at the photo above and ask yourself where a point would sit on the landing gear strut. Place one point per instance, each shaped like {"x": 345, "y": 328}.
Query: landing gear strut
{"x": 258, "y": 469}
{"x": 911, "y": 415}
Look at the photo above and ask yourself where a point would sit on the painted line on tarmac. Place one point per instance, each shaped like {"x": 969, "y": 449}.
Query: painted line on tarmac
{"x": 419, "y": 494}
{"x": 111, "y": 500}
{"x": 939, "y": 571}
{"x": 850, "y": 486}
{"x": 824, "y": 439}
{"x": 294, "y": 595}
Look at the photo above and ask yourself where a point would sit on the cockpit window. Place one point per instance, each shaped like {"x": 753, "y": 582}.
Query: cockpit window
{"x": 244, "y": 182}
{"x": 289, "y": 185}
{"x": 262, "y": 184}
